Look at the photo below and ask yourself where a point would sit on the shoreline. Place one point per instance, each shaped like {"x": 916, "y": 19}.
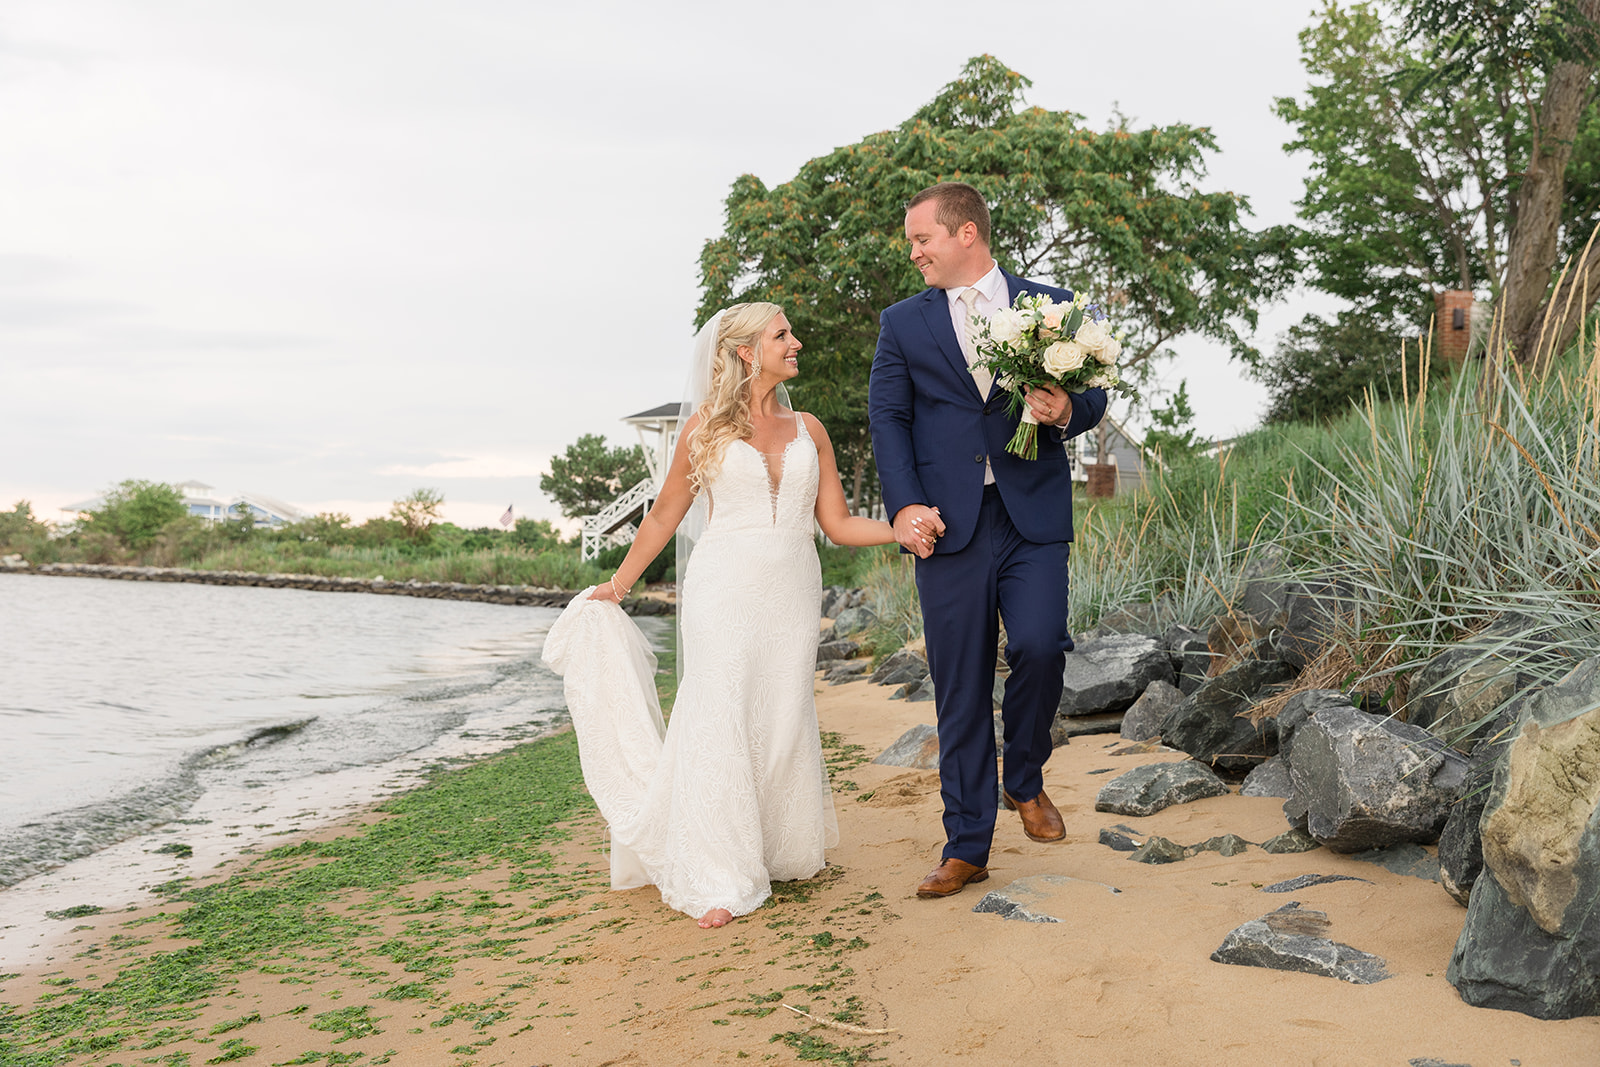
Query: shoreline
{"x": 520, "y": 595}
{"x": 514, "y": 959}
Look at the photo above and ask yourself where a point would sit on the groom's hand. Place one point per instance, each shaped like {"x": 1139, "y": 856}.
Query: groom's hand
{"x": 1050, "y": 405}
{"x": 918, "y": 528}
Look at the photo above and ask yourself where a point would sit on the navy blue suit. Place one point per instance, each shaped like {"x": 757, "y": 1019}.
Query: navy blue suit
{"x": 1004, "y": 552}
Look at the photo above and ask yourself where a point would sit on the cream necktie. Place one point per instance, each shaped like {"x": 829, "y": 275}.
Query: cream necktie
{"x": 982, "y": 376}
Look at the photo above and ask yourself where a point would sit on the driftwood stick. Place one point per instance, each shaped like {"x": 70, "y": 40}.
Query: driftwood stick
{"x": 846, "y": 1027}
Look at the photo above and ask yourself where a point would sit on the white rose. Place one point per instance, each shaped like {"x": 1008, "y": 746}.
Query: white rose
{"x": 1004, "y": 326}
{"x": 1063, "y": 357}
{"x": 1092, "y": 335}
{"x": 1109, "y": 352}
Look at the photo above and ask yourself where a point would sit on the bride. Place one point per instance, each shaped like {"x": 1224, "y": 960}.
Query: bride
{"x": 736, "y": 794}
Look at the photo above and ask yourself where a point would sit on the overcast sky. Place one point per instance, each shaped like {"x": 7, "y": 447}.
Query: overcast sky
{"x": 332, "y": 251}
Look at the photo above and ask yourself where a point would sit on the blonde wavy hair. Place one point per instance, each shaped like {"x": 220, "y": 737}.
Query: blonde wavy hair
{"x": 725, "y": 413}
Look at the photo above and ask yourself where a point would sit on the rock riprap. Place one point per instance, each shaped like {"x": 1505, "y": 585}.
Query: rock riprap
{"x": 1292, "y": 939}
{"x": 1361, "y": 781}
{"x": 1041, "y": 898}
{"x": 1109, "y": 673}
{"x": 1148, "y": 789}
{"x": 1531, "y": 941}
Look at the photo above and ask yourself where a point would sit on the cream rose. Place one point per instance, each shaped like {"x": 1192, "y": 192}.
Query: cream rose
{"x": 1108, "y": 353}
{"x": 1063, "y": 357}
{"x": 1004, "y": 326}
{"x": 1092, "y": 335}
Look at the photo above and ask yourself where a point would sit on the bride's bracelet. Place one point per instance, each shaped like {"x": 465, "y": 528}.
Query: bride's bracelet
{"x": 614, "y": 592}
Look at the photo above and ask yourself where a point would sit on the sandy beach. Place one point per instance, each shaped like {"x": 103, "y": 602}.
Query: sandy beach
{"x": 499, "y": 960}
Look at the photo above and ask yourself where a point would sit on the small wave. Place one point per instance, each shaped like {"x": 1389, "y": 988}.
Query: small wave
{"x": 36, "y": 847}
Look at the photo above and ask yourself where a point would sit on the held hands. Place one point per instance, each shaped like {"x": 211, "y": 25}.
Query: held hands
{"x": 1052, "y": 406}
{"x": 917, "y": 529}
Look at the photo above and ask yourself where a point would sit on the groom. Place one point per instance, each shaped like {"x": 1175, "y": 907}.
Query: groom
{"x": 1000, "y": 527}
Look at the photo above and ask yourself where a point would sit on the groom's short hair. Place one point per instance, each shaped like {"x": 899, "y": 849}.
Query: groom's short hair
{"x": 958, "y": 204}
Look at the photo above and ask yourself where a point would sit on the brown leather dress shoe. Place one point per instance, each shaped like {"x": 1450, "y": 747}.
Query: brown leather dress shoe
{"x": 1040, "y": 819}
{"x": 951, "y": 876}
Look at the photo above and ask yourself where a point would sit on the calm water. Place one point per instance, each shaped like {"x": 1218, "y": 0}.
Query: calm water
{"x": 122, "y": 702}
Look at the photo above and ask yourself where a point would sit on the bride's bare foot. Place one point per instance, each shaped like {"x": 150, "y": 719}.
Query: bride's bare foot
{"x": 716, "y": 917}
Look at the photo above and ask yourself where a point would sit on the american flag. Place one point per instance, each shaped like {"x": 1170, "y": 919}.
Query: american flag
{"x": 508, "y": 518}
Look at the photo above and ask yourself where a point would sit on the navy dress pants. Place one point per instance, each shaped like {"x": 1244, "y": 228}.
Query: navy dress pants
{"x": 998, "y": 574}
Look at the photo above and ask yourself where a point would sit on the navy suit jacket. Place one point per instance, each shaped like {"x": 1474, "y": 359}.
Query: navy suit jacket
{"x": 931, "y": 430}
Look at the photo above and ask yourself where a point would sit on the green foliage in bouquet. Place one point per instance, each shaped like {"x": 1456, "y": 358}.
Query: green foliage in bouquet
{"x": 1038, "y": 342}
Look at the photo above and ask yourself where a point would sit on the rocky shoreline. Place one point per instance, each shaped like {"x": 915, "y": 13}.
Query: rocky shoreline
{"x": 521, "y": 595}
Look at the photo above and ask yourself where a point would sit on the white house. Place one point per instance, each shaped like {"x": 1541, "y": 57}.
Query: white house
{"x": 200, "y": 500}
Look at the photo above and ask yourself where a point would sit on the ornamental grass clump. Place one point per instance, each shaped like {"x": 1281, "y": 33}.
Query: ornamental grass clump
{"x": 1468, "y": 516}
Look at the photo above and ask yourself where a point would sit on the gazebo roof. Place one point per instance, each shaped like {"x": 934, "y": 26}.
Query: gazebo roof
{"x": 656, "y": 414}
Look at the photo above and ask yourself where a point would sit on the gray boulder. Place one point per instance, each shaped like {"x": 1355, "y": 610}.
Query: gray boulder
{"x": 836, "y": 598}
{"x": 1041, "y": 898}
{"x": 829, "y": 651}
{"x": 847, "y": 671}
{"x": 1531, "y": 941}
{"x": 1458, "y": 693}
{"x": 1362, "y": 782}
{"x": 1190, "y": 655}
{"x": 1461, "y": 841}
{"x": 1109, "y": 673}
{"x": 1300, "y": 708}
{"x": 1211, "y": 724}
{"x": 917, "y": 748}
{"x": 1064, "y": 729}
{"x": 1159, "y": 850}
{"x": 1143, "y": 720}
{"x": 853, "y": 621}
{"x": 1291, "y": 841}
{"x": 1148, "y": 789}
{"x": 1291, "y": 939}
{"x": 1270, "y": 779}
{"x": 901, "y": 666}
{"x": 1222, "y": 844}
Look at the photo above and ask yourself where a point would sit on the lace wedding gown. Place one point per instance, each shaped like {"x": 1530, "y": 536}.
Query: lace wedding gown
{"x": 736, "y": 794}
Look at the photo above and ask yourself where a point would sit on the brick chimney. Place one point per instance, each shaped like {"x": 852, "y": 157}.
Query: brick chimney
{"x": 1453, "y": 324}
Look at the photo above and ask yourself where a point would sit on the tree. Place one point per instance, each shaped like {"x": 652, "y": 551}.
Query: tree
{"x": 1115, "y": 213}
{"x": 535, "y": 535}
{"x": 135, "y": 511}
{"x": 589, "y": 475}
{"x": 240, "y": 524}
{"x": 20, "y": 529}
{"x": 1541, "y": 57}
{"x": 1421, "y": 149}
{"x": 417, "y": 511}
{"x": 1172, "y": 435}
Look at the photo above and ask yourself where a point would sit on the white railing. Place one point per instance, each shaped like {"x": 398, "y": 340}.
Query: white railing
{"x": 611, "y": 526}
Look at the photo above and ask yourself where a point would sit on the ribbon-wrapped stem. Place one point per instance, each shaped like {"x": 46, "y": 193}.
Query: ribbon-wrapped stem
{"x": 1025, "y": 442}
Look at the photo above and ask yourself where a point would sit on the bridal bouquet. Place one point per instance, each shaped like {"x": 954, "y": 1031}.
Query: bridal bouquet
{"x": 1038, "y": 341}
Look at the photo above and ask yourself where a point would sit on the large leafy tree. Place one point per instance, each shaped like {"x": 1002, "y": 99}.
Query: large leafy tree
{"x": 1539, "y": 57}
{"x": 588, "y": 476}
{"x": 1116, "y": 213}
{"x": 1429, "y": 123}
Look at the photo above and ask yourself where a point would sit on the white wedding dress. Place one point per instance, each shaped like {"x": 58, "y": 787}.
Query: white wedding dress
{"x": 736, "y": 794}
